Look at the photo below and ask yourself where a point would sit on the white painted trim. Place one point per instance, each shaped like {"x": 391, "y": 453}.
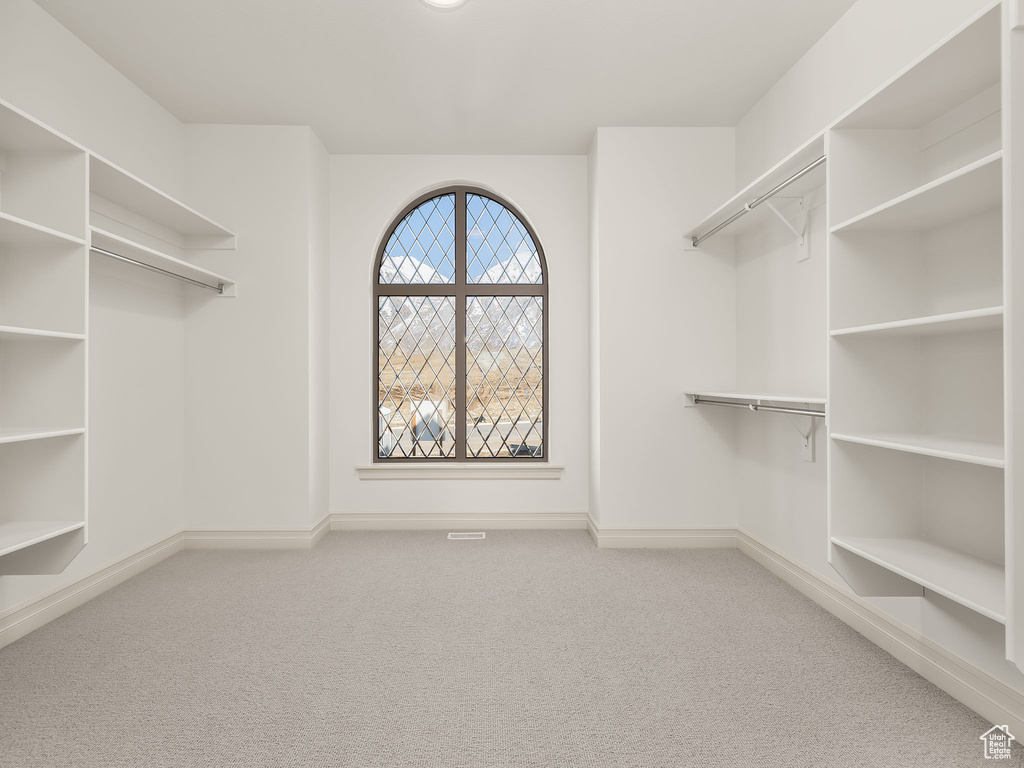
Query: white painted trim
{"x": 266, "y": 538}
{"x": 435, "y": 521}
{"x": 18, "y": 621}
{"x": 320, "y": 530}
{"x": 986, "y": 695}
{"x": 694, "y": 537}
{"x": 440, "y": 471}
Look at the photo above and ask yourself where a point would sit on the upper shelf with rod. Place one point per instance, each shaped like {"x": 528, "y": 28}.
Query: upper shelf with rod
{"x": 795, "y": 177}
{"x": 799, "y": 405}
{"x": 119, "y": 195}
{"x": 125, "y": 251}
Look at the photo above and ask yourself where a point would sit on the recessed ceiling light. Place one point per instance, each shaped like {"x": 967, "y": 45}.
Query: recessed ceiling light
{"x": 444, "y": 5}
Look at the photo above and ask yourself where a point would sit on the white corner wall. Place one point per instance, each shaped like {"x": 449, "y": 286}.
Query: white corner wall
{"x": 253, "y": 377}
{"x": 366, "y": 194}
{"x": 664, "y": 319}
{"x": 319, "y": 286}
{"x": 867, "y": 46}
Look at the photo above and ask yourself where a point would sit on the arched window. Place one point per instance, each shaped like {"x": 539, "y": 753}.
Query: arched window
{"x": 461, "y": 300}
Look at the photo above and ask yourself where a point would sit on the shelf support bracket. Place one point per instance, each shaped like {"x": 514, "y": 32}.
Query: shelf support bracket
{"x": 802, "y": 252}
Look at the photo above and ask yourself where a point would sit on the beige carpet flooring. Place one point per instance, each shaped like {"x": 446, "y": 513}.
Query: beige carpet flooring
{"x": 531, "y": 648}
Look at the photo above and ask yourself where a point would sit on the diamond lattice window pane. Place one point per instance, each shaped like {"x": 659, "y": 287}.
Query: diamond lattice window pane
{"x": 416, "y": 377}
{"x": 504, "y": 376}
{"x": 499, "y": 248}
{"x": 422, "y": 247}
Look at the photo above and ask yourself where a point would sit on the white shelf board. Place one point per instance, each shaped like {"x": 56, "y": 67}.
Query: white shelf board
{"x": 974, "y": 188}
{"x": 767, "y": 399}
{"x": 968, "y": 451}
{"x": 14, "y": 333}
{"x": 21, "y": 133}
{"x": 988, "y": 319}
{"x": 21, "y": 434}
{"x": 971, "y": 581}
{"x": 965, "y": 63}
{"x": 15, "y": 231}
{"x": 801, "y": 158}
{"x": 132, "y": 193}
{"x": 20, "y": 534}
{"x": 125, "y": 247}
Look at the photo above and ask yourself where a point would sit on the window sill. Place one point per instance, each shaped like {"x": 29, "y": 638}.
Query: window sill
{"x": 439, "y": 471}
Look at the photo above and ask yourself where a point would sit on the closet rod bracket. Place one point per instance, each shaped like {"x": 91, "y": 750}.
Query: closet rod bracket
{"x": 799, "y": 230}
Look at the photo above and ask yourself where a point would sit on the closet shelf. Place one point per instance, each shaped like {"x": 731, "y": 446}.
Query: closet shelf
{"x": 21, "y": 534}
{"x": 124, "y": 247}
{"x": 967, "y": 451}
{"x": 15, "y": 231}
{"x": 972, "y": 581}
{"x": 20, "y": 434}
{"x": 802, "y": 157}
{"x": 990, "y": 318}
{"x": 116, "y": 185}
{"x": 965, "y": 64}
{"x": 21, "y": 133}
{"x": 14, "y": 333}
{"x": 966, "y": 191}
{"x": 757, "y": 399}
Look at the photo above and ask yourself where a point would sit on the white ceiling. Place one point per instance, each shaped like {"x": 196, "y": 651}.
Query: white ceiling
{"x": 495, "y": 76}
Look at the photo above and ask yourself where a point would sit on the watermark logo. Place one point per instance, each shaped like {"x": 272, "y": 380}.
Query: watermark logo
{"x": 997, "y": 742}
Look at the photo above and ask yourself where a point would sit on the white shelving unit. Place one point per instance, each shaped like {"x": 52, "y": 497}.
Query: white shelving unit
{"x": 968, "y": 451}
{"x": 804, "y": 186}
{"x": 16, "y": 231}
{"x": 968, "y": 190}
{"x": 980, "y": 584}
{"x": 43, "y": 346}
{"x": 154, "y": 258}
{"x": 782, "y": 225}
{"x": 16, "y": 536}
{"x": 987, "y": 319}
{"x": 757, "y": 399}
{"x": 57, "y": 201}
{"x": 130, "y": 193}
{"x": 10, "y": 435}
{"x": 917, "y": 312}
{"x": 149, "y": 228}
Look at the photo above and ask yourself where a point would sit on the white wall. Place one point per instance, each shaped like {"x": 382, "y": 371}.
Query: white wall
{"x": 366, "y": 193}
{"x": 594, "y": 317}
{"x": 136, "y": 342}
{"x": 867, "y": 46}
{"x": 319, "y": 329}
{"x": 250, "y": 393}
{"x": 661, "y": 317}
{"x": 781, "y": 347}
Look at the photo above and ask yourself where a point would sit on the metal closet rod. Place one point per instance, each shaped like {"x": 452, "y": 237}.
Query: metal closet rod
{"x": 757, "y": 201}
{"x": 755, "y": 407}
{"x": 219, "y": 288}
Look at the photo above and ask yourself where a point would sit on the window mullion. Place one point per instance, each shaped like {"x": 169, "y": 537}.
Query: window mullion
{"x": 461, "y": 417}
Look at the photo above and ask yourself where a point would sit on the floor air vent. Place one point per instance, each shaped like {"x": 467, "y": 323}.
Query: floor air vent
{"x": 467, "y": 535}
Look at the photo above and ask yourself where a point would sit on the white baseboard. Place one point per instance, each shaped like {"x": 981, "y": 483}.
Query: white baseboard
{"x": 661, "y": 538}
{"x": 269, "y": 538}
{"x": 22, "y": 619}
{"x": 986, "y": 695}
{"x": 435, "y": 521}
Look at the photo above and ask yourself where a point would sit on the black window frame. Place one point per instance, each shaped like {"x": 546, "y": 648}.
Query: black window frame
{"x": 460, "y": 291}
